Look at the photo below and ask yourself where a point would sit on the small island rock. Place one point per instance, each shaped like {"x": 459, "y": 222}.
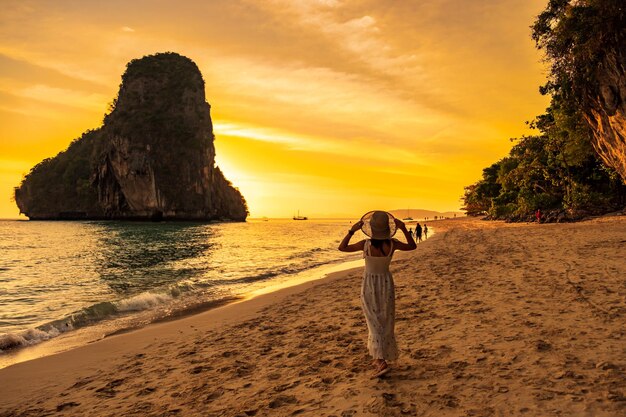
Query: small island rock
{"x": 153, "y": 157}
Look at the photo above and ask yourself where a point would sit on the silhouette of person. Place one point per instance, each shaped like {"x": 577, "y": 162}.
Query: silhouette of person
{"x": 538, "y": 215}
{"x": 418, "y": 232}
{"x": 425, "y": 231}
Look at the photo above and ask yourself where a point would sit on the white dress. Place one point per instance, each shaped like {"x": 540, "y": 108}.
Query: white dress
{"x": 379, "y": 304}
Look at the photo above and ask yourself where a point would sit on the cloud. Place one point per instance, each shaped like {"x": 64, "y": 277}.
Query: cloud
{"x": 304, "y": 143}
{"x": 358, "y": 35}
{"x": 318, "y": 101}
{"x": 74, "y": 98}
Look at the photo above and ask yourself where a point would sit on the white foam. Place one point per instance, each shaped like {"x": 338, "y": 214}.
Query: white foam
{"x": 142, "y": 301}
{"x": 27, "y": 337}
{"x": 11, "y": 340}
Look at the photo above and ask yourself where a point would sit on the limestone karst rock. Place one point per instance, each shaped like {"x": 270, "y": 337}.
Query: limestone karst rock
{"x": 153, "y": 157}
{"x": 606, "y": 113}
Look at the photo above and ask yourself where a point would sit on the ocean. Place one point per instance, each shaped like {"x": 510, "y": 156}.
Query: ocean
{"x": 97, "y": 278}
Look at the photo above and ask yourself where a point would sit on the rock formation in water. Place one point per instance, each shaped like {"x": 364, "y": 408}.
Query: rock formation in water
{"x": 606, "y": 113}
{"x": 153, "y": 157}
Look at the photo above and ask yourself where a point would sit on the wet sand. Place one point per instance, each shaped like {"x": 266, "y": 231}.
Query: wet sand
{"x": 493, "y": 319}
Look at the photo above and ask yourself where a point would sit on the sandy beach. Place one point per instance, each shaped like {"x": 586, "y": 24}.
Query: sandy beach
{"x": 493, "y": 319}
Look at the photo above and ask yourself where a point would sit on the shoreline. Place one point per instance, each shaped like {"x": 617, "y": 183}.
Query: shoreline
{"x": 92, "y": 334}
{"x": 52, "y": 366}
{"x": 491, "y": 319}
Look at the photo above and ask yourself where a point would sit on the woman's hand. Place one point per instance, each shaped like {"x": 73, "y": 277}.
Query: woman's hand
{"x": 410, "y": 245}
{"x": 400, "y": 224}
{"x": 356, "y": 226}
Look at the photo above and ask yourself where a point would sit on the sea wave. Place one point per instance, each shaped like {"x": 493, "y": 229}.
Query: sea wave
{"x": 142, "y": 301}
{"x": 266, "y": 275}
{"x": 127, "y": 274}
{"x": 26, "y": 338}
{"x": 190, "y": 298}
{"x": 87, "y": 316}
{"x": 306, "y": 254}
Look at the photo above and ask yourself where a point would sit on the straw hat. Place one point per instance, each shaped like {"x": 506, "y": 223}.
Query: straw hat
{"x": 378, "y": 225}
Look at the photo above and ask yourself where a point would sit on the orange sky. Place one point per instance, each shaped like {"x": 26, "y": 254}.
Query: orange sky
{"x": 330, "y": 107}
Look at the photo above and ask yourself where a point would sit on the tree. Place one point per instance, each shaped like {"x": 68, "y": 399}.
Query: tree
{"x": 584, "y": 42}
{"x": 557, "y": 170}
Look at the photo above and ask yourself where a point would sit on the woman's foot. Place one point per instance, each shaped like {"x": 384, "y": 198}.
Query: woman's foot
{"x": 381, "y": 368}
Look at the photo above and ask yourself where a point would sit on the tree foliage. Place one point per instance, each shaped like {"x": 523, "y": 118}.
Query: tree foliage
{"x": 576, "y": 36}
{"x": 557, "y": 170}
{"x": 64, "y": 183}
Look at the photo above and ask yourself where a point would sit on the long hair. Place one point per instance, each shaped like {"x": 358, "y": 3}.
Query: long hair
{"x": 378, "y": 243}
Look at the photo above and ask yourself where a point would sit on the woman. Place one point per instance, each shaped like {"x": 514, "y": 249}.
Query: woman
{"x": 377, "y": 289}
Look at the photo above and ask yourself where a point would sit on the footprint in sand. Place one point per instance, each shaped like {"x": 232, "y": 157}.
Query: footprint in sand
{"x": 146, "y": 391}
{"x": 108, "y": 390}
{"x": 67, "y": 405}
{"x": 83, "y": 382}
{"x": 243, "y": 369}
{"x": 186, "y": 353}
{"x": 282, "y": 400}
{"x": 214, "y": 395}
{"x": 289, "y": 385}
{"x": 201, "y": 368}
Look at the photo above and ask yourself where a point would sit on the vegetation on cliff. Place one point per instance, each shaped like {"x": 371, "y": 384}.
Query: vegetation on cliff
{"x": 585, "y": 43}
{"x": 153, "y": 157}
{"x": 62, "y": 184}
{"x": 558, "y": 171}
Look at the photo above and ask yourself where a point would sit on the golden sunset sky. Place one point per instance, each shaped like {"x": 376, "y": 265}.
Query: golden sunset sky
{"x": 327, "y": 106}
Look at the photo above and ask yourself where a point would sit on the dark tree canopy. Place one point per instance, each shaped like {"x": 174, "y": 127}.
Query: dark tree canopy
{"x": 576, "y": 37}
{"x": 584, "y": 43}
{"x": 558, "y": 170}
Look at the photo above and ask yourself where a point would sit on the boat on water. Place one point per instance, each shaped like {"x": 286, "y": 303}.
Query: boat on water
{"x": 299, "y": 217}
{"x": 408, "y": 218}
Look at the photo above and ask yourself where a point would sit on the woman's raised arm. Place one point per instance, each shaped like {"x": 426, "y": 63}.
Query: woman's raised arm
{"x": 355, "y": 247}
{"x": 410, "y": 245}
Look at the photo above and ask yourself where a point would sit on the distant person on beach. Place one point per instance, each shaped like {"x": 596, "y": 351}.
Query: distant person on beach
{"x": 538, "y": 215}
{"x": 425, "y": 231}
{"x": 377, "y": 288}
{"x": 418, "y": 232}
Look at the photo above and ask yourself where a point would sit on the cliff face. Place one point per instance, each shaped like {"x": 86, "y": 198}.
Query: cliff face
{"x": 607, "y": 113}
{"x": 153, "y": 157}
